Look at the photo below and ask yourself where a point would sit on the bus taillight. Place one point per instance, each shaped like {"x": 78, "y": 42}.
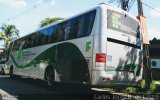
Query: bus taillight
{"x": 101, "y": 57}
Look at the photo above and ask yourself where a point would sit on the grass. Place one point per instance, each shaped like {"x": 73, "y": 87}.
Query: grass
{"x": 154, "y": 88}
{"x": 130, "y": 90}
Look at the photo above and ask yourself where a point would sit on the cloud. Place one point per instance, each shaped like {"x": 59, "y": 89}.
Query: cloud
{"x": 39, "y": 2}
{"x": 18, "y": 4}
{"x": 14, "y": 3}
{"x": 3, "y": 1}
{"x": 156, "y": 12}
{"x": 51, "y": 2}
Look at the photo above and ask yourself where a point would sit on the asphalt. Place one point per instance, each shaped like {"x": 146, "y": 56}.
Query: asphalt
{"x": 28, "y": 89}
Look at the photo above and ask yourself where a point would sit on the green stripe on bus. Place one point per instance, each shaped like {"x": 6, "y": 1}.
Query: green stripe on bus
{"x": 66, "y": 59}
{"x": 54, "y": 54}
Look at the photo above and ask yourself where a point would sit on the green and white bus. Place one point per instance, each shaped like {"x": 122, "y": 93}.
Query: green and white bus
{"x": 102, "y": 46}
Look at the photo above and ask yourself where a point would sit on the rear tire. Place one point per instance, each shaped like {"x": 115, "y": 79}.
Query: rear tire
{"x": 11, "y": 72}
{"x": 13, "y": 76}
{"x": 50, "y": 76}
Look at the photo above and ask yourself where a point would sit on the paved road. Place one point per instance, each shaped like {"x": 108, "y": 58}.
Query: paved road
{"x": 27, "y": 89}
{"x": 32, "y": 89}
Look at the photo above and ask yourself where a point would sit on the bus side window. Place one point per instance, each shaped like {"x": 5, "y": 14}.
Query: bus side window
{"x": 50, "y": 31}
{"x": 43, "y": 36}
{"x": 61, "y": 31}
{"x": 74, "y": 28}
{"x": 33, "y": 36}
{"x": 16, "y": 45}
{"x": 46, "y": 34}
{"x": 81, "y": 27}
{"x": 50, "y": 40}
{"x": 67, "y": 30}
{"x": 38, "y": 43}
{"x": 54, "y": 33}
{"x": 35, "y": 39}
{"x": 25, "y": 44}
{"x": 29, "y": 41}
{"x": 89, "y": 20}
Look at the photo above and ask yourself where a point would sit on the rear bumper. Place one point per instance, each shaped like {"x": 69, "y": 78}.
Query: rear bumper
{"x": 104, "y": 79}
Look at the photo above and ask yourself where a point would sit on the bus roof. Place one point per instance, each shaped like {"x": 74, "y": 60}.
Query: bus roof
{"x": 101, "y": 5}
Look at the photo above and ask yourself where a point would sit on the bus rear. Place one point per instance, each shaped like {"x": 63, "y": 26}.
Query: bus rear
{"x": 118, "y": 60}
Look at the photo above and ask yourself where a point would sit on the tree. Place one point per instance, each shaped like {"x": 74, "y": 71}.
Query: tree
{"x": 48, "y": 20}
{"x": 9, "y": 32}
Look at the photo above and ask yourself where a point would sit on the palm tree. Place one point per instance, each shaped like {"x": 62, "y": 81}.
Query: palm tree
{"x": 9, "y": 33}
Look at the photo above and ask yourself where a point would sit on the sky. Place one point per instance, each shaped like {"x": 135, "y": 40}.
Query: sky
{"x": 27, "y": 14}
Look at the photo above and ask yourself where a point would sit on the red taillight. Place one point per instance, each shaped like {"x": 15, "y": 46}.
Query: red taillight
{"x": 108, "y": 79}
{"x": 101, "y": 58}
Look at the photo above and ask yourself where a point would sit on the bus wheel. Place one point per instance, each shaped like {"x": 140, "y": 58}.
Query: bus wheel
{"x": 11, "y": 72}
{"x": 2, "y": 71}
{"x": 50, "y": 76}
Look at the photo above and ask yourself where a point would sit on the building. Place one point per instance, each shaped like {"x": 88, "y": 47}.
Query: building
{"x": 154, "y": 52}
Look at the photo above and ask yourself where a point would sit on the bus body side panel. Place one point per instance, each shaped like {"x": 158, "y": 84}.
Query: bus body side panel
{"x": 71, "y": 59}
{"x": 99, "y": 46}
{"x": 25, "y": 63}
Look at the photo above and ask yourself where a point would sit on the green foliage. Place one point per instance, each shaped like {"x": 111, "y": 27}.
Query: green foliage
{"x": 130, "y": 90}
{"x": 9, "y": 32}
{"x": 48, "y": 20}
{"x": 154, "y": 88}
{"x": 143, "y": 84}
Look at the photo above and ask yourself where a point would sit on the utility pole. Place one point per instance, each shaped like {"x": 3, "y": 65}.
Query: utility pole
{"x": 140, "y": 8}
{"x": 146, "y": 59}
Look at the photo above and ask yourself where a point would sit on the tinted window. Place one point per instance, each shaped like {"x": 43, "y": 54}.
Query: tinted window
{"x": 89, "y": 20}
{"x": 81, "y": 25}
{"x": 74, "y": 28}
{"x": 67, "y": 30}
{"x": 54, "y": 34}
{"x": 77, "y": 27}
{"x": 61, "y": 31}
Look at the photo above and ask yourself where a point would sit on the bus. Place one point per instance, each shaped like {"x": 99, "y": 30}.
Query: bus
{"x": 99, "y": 47}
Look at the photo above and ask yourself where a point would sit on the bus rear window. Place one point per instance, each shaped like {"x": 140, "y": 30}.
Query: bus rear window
{"x": 122, "y": 23}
